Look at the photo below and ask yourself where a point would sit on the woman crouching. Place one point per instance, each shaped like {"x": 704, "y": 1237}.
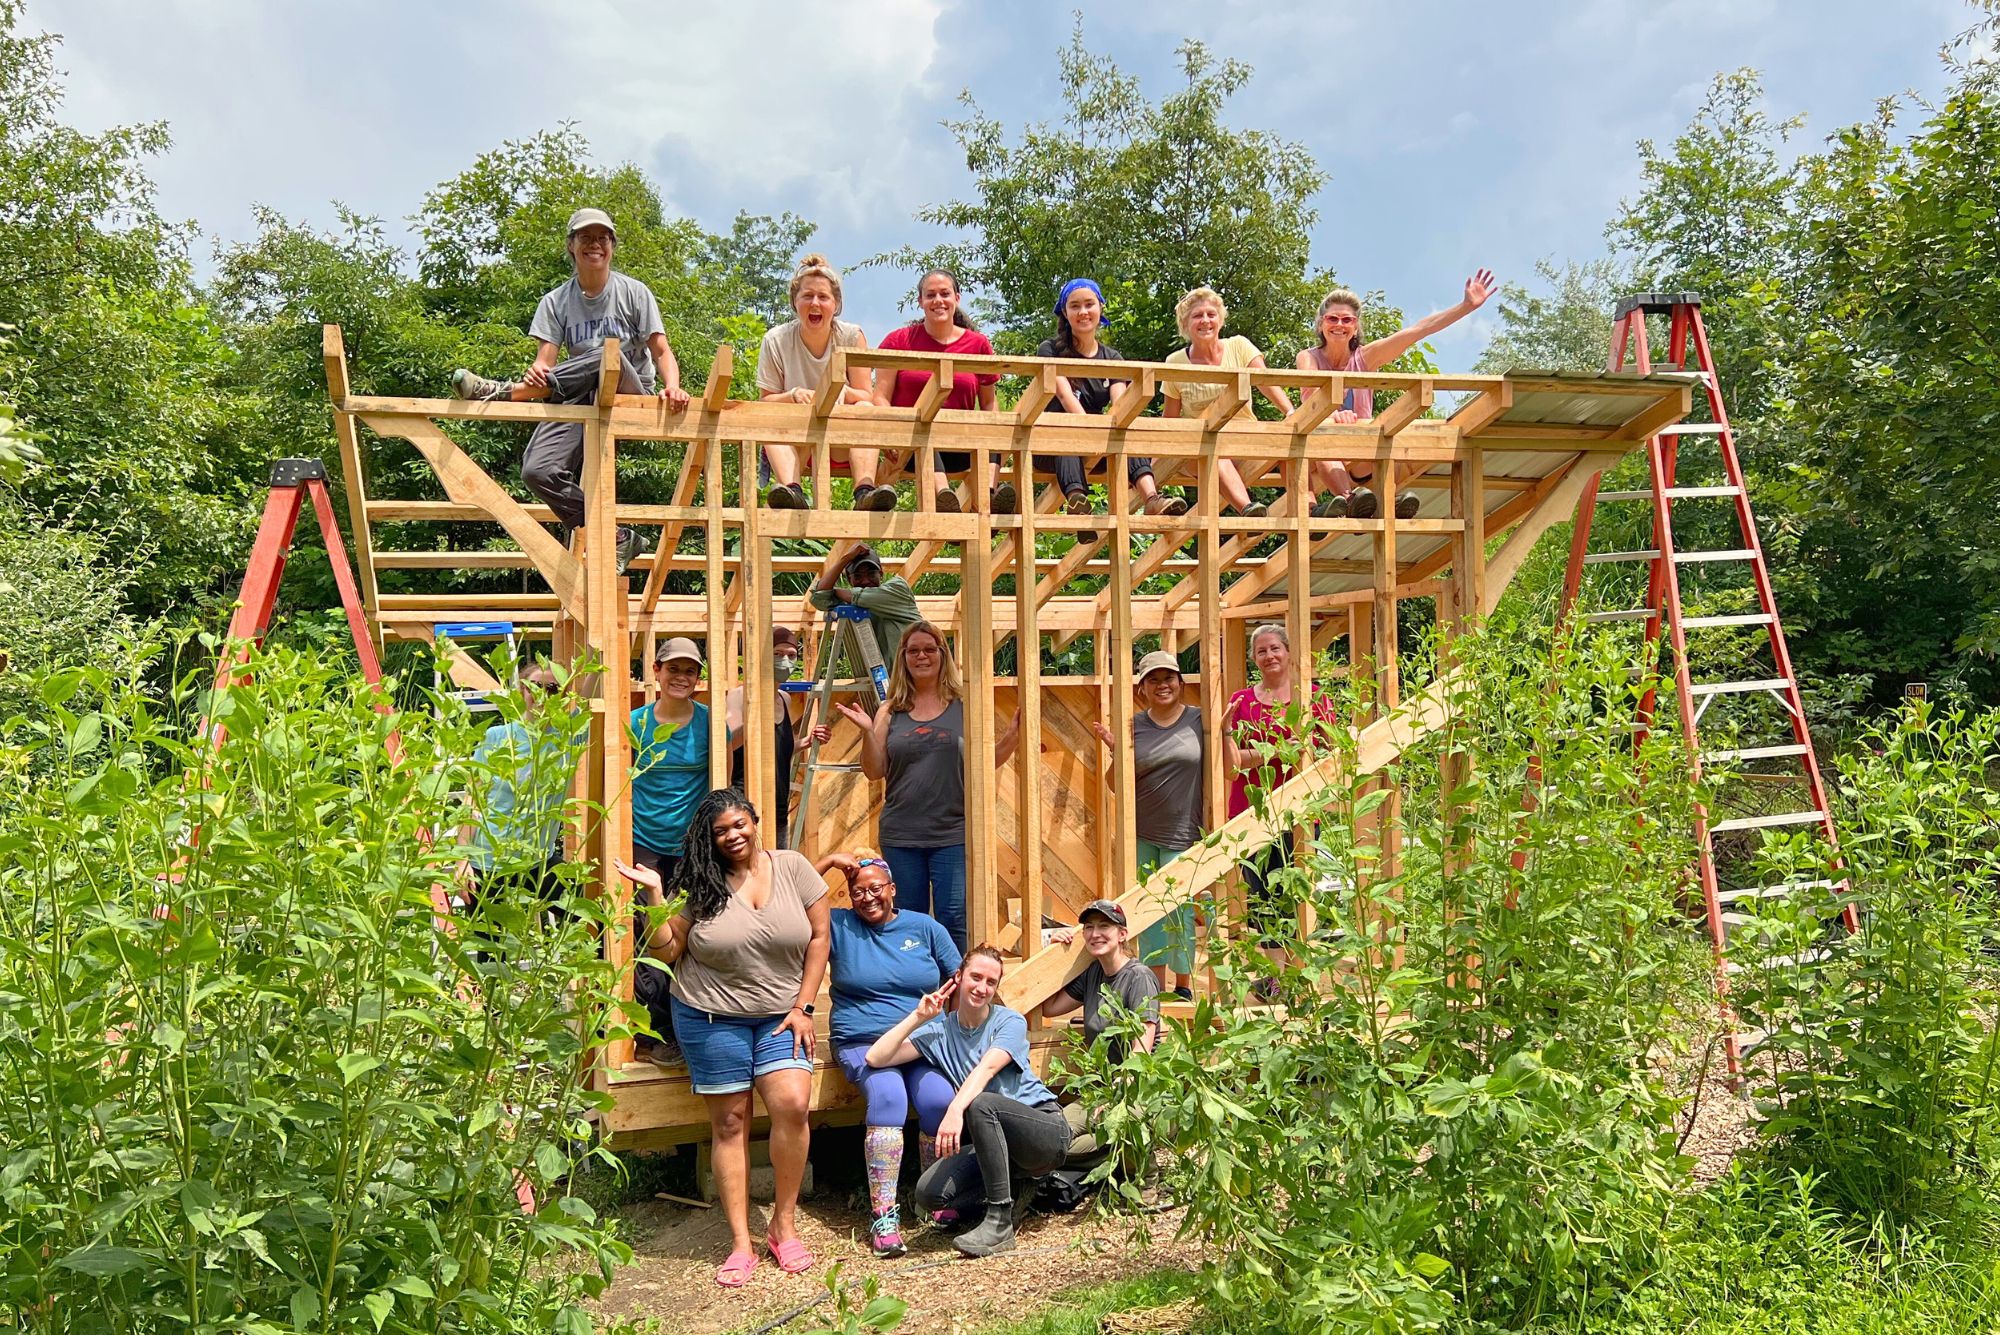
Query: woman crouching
{"x": 1004, "y": 1127}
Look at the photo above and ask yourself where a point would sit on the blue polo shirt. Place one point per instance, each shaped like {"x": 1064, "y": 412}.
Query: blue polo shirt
{"x": 881, "y": 972}
{"x": 955, "y": 1050}
{"x": 669, "y": 778}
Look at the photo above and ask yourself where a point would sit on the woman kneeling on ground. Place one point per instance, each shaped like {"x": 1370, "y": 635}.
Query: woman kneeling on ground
{"x": 1004, "y": 1128}
{"x": 748, "y": 951}
{"x": 1115, "y": 973}
{"x": 884, "y": 960}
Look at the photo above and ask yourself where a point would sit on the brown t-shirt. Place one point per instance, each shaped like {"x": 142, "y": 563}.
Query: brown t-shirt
{"x": 747, "y": 961}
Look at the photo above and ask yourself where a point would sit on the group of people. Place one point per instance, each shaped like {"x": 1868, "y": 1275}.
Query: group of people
{"x": 598, "y": 302}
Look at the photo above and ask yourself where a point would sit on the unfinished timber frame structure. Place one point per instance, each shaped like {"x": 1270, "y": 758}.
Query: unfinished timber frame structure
{"x": 1053, "y": 828}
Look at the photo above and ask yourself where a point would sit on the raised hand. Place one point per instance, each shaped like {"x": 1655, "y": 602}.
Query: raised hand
{"x": 1479, "y": 287}
{"x": 643, "y": 877}
{"x": 855, "y": 714}
{"x": 1103, "y": 733}
{"x": 932, "y": 1004}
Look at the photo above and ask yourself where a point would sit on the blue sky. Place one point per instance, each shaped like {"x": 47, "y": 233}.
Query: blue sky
{"x": 1455, "y": 133}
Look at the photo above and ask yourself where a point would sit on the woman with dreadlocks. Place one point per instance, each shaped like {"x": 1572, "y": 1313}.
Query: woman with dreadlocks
{"x": 748, "y": 948}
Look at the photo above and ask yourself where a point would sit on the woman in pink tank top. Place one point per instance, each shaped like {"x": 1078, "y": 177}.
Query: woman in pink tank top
{"x": 1340, "y": 329}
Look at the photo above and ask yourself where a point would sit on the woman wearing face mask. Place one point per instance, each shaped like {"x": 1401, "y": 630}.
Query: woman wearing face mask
{"x": 944, "y": 328}
{"x": 1079, "y": 321}
{"x": 794, "y": 360}
{"x": 916, "y": 741}
{"x": 1263, "y": 720}
{"x": 1340, "y": 349}
{"x": 884, "y": 960}
{"x": 784, "y": 667}
{"x": 1003, "y": 1128}
{"x": 1200, "y": 316}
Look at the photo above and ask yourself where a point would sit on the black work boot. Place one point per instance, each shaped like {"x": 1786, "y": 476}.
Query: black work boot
{"x": 994, "y": 1235}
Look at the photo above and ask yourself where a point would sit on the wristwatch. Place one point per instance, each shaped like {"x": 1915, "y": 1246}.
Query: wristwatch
{"x": 805, "y": 1009}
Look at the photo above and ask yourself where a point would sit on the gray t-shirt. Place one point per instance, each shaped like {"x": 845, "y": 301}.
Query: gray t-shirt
{"x": 785, "y": 363}
{"x": 1134, "y": 987}
{"x": 924, "y": 806}
{"x": 1166, "y": 764}
{"x": 624, "y": 310}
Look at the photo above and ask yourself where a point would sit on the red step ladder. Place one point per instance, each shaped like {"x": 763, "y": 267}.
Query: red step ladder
{"x": 1663, "y": 613}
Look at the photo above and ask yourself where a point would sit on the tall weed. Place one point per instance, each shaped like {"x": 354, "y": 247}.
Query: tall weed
{"x": 250, "y": 1083}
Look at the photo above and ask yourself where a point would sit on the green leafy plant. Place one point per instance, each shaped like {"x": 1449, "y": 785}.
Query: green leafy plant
{"x": 873, "y": 1313}
{"x": 253, "y": 1081}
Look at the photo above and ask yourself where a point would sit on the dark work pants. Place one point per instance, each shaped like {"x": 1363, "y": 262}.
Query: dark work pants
{"x": 649, "y": 985}
{"x": 1068, "y": 469}
{"x": 1008, "y": 1141}
{"x": 552, "y": 465}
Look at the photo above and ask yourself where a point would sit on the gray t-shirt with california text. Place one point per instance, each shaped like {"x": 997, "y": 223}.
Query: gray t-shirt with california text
{"x": 625, "y": 310}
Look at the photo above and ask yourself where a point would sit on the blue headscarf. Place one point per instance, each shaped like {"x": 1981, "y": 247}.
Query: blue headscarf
{"x": 1074, "y": 286}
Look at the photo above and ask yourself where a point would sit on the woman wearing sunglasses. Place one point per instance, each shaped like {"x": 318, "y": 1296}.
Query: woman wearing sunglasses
{"x": 884, "y": 961}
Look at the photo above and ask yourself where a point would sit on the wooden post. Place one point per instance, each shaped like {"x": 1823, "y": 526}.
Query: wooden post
{"x": 759, "y": 691}
{"x": 1214, "y": 685}
{"x": 1036, "y": 896}
{"x": 717, "y": 649}
{"x": 982, "y": 896}
{"x": 1117, "y": 672}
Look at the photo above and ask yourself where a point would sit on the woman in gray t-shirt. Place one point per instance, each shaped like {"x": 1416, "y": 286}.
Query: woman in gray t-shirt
{"x": 793, "y": 361}
{"x": 1168, "y": 754}
{"x": 916, "y": 741}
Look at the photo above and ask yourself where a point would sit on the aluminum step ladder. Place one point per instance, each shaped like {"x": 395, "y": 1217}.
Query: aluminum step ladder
{"x": 461, "y": 632}
{"x": 1663, "y": 613}
{"x": 847, "y": 637}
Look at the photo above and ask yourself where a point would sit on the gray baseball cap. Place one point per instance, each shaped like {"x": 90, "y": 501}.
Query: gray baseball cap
{"x": 1103, "y": 908}
{"x": 583, "y": 218}
{"x": 679, "y": 647}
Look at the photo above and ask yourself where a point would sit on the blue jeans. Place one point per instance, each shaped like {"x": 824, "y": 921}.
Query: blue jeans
{"x": 931, "y": 880}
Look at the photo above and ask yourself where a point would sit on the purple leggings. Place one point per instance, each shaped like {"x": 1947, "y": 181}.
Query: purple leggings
{"x": 892, "y": 1091}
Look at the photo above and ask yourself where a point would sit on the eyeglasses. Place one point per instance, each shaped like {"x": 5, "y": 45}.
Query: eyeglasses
{"x": 1341, "y": 319}
{"x": 921, "y": 651}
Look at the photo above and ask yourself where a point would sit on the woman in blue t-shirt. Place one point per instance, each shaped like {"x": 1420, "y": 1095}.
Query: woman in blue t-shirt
{"x": 884, "y": 960}
{"x": 1003, "y": 1127}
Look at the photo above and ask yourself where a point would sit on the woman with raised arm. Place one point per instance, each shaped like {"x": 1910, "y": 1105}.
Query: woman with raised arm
{"x": 884, "y": 960}
{"x": 1079, "y": 322}
{"x": 1168, "y": 759}
{"x": 1200, "y": 316}
{"x": 916, "y": 741}
{"x": 1340, "y": 349}
{"x": 944, "y": 328}
{"x": 794, "y": 360}
{"x": 1003, "y": 1128}
{"x": 748, "y": 950}
{"x": 1263, "y": 719}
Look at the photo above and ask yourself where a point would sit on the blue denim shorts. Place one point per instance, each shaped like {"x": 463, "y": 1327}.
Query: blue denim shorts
{"x": 726, "y": 1053}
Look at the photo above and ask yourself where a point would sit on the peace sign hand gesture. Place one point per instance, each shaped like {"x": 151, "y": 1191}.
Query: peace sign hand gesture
{"x": 933, "y": 1004}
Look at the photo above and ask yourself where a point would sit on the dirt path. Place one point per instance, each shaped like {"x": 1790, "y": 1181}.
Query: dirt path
{"x": 672, "y": 1276}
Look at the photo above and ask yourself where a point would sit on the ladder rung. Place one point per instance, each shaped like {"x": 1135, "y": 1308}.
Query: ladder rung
{"x": 1745, "y": 619}
{"x": 1732, "y": 554}
{"x": 1673, "y": 494}
{"x": 830, "y": 767}
{"x": 1739, "y": 687}
{"x": 1623, "y": 614}
{"x": 1607, "y": 558}
{"x": 1691, "y": 429}
{"x": 1774, "y": 891}
{"x": 1754, "y": 753}
{"x": 1767, "y": 822}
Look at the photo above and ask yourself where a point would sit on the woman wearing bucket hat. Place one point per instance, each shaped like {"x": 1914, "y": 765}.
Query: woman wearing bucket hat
{"x": 1079, "y": 324}
{"x": 1168, "y": 757}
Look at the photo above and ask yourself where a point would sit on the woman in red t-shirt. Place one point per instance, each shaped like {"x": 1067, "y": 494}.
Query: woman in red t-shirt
{"x": 1259, "y": 721}
{"x": 945, "y": 328}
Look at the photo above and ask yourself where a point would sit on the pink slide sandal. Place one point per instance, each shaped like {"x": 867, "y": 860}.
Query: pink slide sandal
{"x": 791, "y": 1256}
{"x": 735, "y": 1272}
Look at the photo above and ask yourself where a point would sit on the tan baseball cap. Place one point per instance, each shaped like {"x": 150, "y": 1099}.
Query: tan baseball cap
{"x": 1157, "y": 661}
{"x": 583, "y": 218}
{"x": 680, "y": 646}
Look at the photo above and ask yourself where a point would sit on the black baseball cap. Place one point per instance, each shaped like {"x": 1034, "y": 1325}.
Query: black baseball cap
{"x": 1103, "y": 908}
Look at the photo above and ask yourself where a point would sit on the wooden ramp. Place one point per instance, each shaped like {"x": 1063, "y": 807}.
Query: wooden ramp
{"x": 1496, "y": 466}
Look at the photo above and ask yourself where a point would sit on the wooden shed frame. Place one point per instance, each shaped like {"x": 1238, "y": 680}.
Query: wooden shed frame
{"x": 1509, "y": 461}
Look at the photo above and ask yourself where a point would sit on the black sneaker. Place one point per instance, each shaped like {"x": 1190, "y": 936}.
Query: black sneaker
{"x": 1361, "y": 504}
{"x": 1006, "y": 500}
{"x": 875, "y": 500}
{"x": 1407, "y": 505}
{"x": 787, "y": 496}
{"x": 1331, "y": 507}
{"x": 1256, "y": 510}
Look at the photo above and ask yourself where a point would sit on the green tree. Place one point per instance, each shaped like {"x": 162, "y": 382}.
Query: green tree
{"x": 1566, "y": 330}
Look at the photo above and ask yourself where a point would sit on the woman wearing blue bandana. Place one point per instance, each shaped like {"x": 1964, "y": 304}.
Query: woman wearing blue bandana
{"x": 1079, "y": 319}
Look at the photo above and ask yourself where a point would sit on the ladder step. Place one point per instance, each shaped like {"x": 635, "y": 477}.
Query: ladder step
{"x": 1732, "y": 554}
{"x": 1767, "y": 822}
{"x": 1608, "y": 558}
{"x": 1673, "y": 494}
{"x": 1785, "y": 961}
{"x": 830, "y": 767}
{"x": 1779, "y": 891}
{"x": 1623, "y": 614}
{"x": 1755, "y": 753}
{"x": 1691, "y": 429}
{"x": 1739, "y": 687}
{"x": 1746, "y": 619}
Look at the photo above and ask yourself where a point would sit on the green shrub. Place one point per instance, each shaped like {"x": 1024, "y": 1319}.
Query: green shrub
{"x": 1878, "y": 1077}
{"x": 251, "y": 1084}
{"x": 1476, "y": 1130}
